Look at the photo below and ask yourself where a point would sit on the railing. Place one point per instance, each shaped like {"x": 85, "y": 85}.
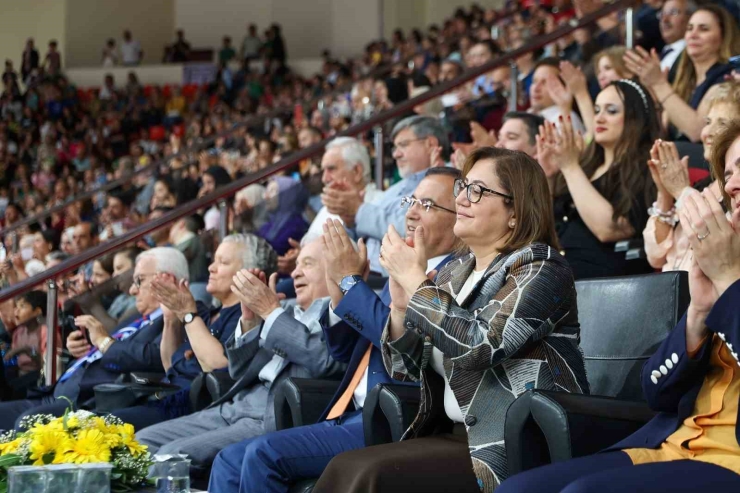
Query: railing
{"x": 248, "y": 121}
{"x": 227, "y": 191}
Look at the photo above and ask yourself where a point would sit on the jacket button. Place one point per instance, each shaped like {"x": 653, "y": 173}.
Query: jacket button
{"x": 562, "y": 252}
{"x": 565, "y": 219}
{"x": 470, "y": 420}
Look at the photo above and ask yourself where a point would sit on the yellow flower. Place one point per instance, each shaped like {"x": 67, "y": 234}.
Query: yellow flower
{"x": 48, "y": 441}
{"x": 89, "y": 447}
{"x": 11, "y": 447}
{"x": 128, "y": 439}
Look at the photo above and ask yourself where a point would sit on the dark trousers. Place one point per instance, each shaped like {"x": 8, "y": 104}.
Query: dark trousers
{"x": 272, "y": 462}
{"x": 439, "y": 463}
{"x": 141, "y": 416}
{"x": 12, "y": 412}
{"x": 613, "y": 472}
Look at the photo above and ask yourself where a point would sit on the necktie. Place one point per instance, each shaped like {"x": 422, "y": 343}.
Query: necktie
{"x": 664, "y": 53}
{"x": 343, "y": 402}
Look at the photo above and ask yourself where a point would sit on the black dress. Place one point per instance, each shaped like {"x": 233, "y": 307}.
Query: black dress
{"x": 587, "y": 256}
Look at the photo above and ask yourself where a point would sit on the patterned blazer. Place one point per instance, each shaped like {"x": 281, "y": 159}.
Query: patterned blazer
{"x": 517, "y": 330}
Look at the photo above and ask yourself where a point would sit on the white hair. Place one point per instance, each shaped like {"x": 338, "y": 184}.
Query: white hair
{"x": 256, "y": 252}
{"x": 353, "y": 153}
{"x": 168, "y": 260}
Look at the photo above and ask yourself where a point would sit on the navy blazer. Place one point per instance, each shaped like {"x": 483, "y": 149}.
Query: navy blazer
{"x": 674, "y": 392}
{"x": 366, "y": 314}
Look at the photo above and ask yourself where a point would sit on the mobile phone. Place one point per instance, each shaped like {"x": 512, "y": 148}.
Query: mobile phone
{"x": 735, "y": 62}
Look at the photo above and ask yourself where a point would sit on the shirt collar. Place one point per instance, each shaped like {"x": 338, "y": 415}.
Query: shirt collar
{"x": 433, "y": 262}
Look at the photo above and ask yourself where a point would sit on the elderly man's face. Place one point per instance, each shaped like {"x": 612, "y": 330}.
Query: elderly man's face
{"x": 334, "y": 169}
{"x": 144, "y": 271}
{"x": 411, "y": 153}
{"x": 309, "y": 276}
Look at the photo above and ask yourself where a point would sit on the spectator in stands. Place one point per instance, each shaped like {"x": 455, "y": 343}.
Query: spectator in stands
{"x": 117, "y": 214}
{"x": 227, "y": 53}
{"x": 133, "y": 347}
{"x": 292, "y": 344}
{"x": 255, "y": 462}
{"x": 53, "y": 60}
{"x": 161, "y": 236}
{"x": 131, "y": 52}
{"x": 712, "y": 37}
{"x": 185, "y": 236}
{"x": 345, "y": 162}
{"x": 609, "y": 66}
{"x": 45, "y": 242}
{"x": 691, "y": 444}
{"x": 84, "y": 236}
{"x": 251, "y": 45}
{"x": 29, "y": 60}
{"x": 419, "y": 142}
{"x": 667, "y": 244}
{"x": 180, "y": 49}
{"x": 213, "y": 178}
{"x": 108, "y": 91}
{"x": 540, "y": 97}
{"x": 109, "y": 56}
{"x": 286, "y": 200}
{"x": 674, "y": 17}
{"x": 164, "y": 193}
{"x": 519, "y": 132}
{"x": 602, "y": 194}
{"x": 513, "y": 255}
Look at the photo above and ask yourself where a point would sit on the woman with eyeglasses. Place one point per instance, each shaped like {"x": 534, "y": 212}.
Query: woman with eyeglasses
{"x": 499, "y": 320}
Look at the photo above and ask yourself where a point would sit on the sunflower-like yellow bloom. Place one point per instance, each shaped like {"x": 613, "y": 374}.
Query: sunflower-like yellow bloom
{"x": 48, "y": 441}
{"x": 128, "y": 439}
{"x": 11, "y": 447}
{"x": 89, "y": 447}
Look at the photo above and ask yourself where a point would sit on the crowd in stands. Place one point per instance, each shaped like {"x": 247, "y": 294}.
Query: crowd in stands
{"x": 456, "y": 277}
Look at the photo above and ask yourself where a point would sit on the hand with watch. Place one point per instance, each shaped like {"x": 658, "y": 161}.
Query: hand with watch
{"x": 174, "y": 296}
{"x": 345, "y": 266}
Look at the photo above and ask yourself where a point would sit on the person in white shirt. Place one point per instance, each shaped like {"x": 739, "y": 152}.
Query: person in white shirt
{"x": 674, "y": 17}
{"x": 542, "y": 102}
{"x": 131, "y": 52}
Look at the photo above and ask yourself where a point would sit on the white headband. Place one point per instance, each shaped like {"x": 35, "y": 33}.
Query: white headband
{"x": 639, "y": 91}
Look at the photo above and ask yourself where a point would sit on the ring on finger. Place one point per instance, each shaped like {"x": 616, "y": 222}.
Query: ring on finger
{"x": 704, "y": 236}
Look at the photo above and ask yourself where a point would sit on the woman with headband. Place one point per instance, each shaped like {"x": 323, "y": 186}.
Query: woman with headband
{"x": 602, "y": 192}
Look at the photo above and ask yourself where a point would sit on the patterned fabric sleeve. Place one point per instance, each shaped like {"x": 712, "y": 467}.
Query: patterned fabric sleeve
{"x": 536, "y": 293}
{"x": 403, "y": 357}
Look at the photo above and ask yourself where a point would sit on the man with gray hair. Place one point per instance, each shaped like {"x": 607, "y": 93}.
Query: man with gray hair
{"x": 272, "y": 342}
{"x": 419, "y": 143}
{"x": 344, "y": 166}
{"x": 133, "y": 346}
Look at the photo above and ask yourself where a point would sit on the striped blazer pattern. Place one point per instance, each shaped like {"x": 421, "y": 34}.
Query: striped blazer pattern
{"x": 517, "y": 330}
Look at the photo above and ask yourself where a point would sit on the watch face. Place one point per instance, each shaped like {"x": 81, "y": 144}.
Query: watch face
{"x": 189, "y": 318}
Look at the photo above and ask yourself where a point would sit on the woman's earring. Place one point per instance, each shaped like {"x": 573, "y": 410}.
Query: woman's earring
{"x": 512, "y": 224}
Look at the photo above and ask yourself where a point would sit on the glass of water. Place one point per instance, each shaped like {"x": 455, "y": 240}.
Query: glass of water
{"x": 26, "y": 479}
{"x": 61, "y": 477}
{"x": 94, "y": 478}
{"x": 172, "y": 475}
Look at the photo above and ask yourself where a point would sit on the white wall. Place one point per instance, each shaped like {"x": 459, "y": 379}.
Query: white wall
{"x": 410, "y": 14}
{"x": 309, "y": 26}
{"x": 90, "y": 23}
{"x": 42, "y": 20}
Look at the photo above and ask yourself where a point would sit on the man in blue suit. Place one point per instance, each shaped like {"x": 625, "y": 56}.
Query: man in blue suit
{"x": 273, "y": 461}
{"x": 133, "y": 346}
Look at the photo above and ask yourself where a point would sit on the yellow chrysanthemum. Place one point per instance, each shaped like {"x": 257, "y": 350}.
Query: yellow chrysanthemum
{"x": 89, "y": 447}
{"x": 47, "y": 442}
{"x": 128, "y": 439}
{"x": 11, "y": 447}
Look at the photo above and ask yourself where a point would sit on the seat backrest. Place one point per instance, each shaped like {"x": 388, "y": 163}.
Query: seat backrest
{"x": 623, "y": 321}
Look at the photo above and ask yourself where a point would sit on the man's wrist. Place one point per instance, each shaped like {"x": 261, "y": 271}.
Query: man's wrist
{"x": 266, "y": 313}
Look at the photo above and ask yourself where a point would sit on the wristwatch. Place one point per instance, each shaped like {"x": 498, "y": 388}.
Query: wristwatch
{"x": 188, "y": 318}
{"x": 347, "y": 282}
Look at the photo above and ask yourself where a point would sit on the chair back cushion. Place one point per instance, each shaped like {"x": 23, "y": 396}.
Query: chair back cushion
{"x": 623, "y": 321}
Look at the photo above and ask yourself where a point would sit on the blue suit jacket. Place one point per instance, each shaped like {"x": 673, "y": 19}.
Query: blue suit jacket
{"x": 674, "y": 393}
{"x": 366, "y": 314}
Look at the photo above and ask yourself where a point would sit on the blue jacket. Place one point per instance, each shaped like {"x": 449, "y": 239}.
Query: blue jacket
{"x": 366, "y": 314}
{"x": 674, "y": 393}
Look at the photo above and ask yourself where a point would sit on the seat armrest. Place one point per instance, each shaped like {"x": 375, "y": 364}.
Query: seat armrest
{"x": 545, "y": 426}
{"x": 389, "y": 411}
{"x": 218, "y": 383}
{"x": 302, "y": 401}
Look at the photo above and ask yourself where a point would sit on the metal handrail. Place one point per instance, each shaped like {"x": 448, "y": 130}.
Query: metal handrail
{"x": 249, "y": 120}
{"x": 227, "y": 191}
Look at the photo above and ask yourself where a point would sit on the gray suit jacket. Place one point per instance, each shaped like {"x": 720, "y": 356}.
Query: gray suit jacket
{"x": 300, "y": 343}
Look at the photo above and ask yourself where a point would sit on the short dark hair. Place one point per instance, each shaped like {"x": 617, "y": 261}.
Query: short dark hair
{"x": 549, "y": 61}
{"x": 52, "y": 237}
{"x": 453, "y": 173}
{"x": 106, "y": 262}
{"x": 131, "y": 253}
{"x": 530, "y": 120}
{"x": 37, "y": 299}
{"x": 194, "y": 223}
{"x": 493, "y": 48}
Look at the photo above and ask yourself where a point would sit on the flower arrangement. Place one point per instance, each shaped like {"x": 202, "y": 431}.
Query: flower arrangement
{"x": 78, "y": 437}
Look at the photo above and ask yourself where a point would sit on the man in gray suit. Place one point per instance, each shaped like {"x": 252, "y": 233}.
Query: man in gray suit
{"x": 272, "y": 342}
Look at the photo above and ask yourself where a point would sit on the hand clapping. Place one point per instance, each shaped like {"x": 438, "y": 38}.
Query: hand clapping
{"x": 340, "y": 256}
{"x": 254, "y": 294}
{"x": 173, "y": 295}
{"x": 405, "y": 260}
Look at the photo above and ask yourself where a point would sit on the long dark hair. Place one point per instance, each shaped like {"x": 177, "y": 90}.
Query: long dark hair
{"x": 628, "y": 174}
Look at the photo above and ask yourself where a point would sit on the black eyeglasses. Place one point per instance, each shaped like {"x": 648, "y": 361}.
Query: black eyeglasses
{"x": 140, "y": 278}
{"x": 475, "y": 192}
{"x": 425, "y": 204}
